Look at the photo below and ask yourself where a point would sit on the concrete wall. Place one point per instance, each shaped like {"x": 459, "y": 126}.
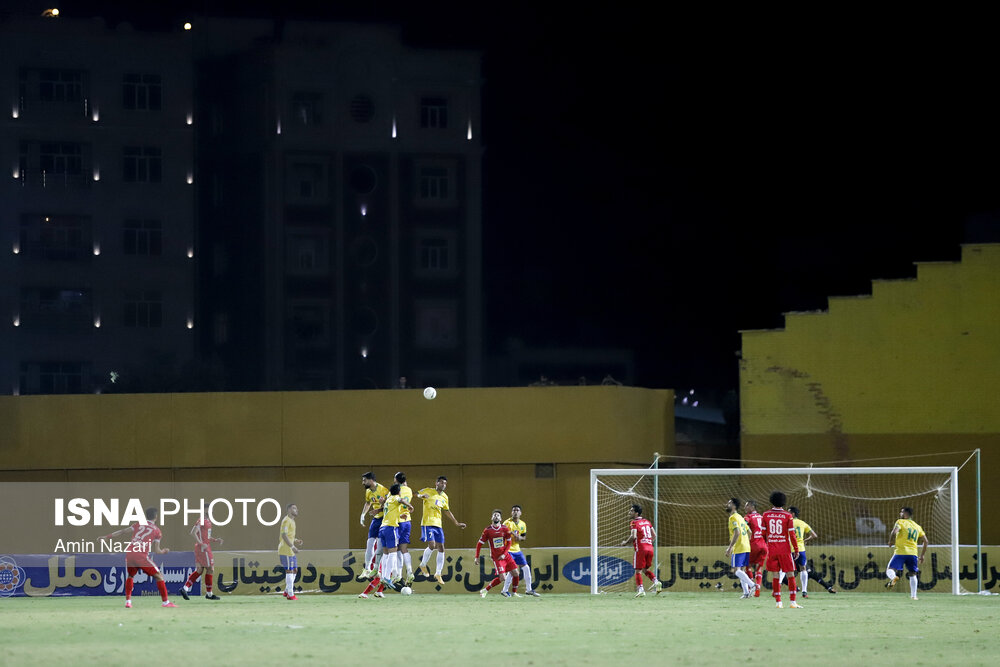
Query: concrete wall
{"x": 486, "y": 441}
{"x": 910, "y": 370}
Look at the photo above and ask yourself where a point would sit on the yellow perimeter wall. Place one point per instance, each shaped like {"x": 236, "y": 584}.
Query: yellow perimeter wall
{"x": 912, "y": 369}
{"x": 486, "y": 441}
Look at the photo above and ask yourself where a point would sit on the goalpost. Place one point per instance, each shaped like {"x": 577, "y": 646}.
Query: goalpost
{"x": 851, "y": 510}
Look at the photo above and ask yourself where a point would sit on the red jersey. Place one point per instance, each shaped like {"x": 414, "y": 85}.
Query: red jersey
{"x": 498, "y": 538}
{"x": 778, "y": 531}
{"x": 204, "y": 532}
{"x": 754, "y": 520}
{"x": 643, "y": 533}
{"x": 144, "y": 536}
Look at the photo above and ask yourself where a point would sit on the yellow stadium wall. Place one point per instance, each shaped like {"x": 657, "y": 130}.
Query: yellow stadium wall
{"x": 910, "y": 370}
{"x": 486, "y": 441}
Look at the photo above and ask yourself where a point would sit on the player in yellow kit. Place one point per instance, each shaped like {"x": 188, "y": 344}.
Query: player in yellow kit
{"x": 435, "y": 503}
{"x": 904, "y": 536}
{"x": 288, "y": 548}
{"x": 739, "y": 547}
{"x": 519, "y": 532}
{"x": 375, "y": 495}
{"x": 403, "y": 531}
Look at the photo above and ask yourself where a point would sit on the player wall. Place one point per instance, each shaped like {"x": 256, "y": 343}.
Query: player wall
{"x": 909, "y": 370}
{"x": 557, "y": 570}
{"x": 533, "y": 445}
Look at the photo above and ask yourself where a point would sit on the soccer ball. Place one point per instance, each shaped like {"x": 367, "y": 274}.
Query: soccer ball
{"x": 430, "y": 393}
{"x": 405, "y": 590}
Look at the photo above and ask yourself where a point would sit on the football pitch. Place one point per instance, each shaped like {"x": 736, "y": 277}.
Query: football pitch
{"x": 572, "y": 629}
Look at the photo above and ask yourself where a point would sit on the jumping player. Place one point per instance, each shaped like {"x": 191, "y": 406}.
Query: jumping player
{"x": 739, "y": 546}
{"x": 403, "y": 532}
{"x": 758, "y": 546}
{"x": 904, "y": 536}
{"x": 641, "y": 537}
{"x": 780, "y": 535}
{"x": 145, "y": 540}
{"x": 498, "y": 537}
{"x": 204, "y": 561}
{"x": 375, "y": 494}
{"x": 388, "y": 536}
{"x": 288, "y": 549}
{"x": 435, "y": 504}
{"x": 519, "y": 531}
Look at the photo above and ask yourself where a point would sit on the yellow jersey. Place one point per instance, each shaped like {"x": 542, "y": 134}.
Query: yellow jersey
{"x": 393, "y": 509}
{"x": 406, "y": 493}
{"x": 739, "y": 525}
{"x": 434, "y": 504}
{"x": 288, "y": 529}
{"x": 801, "y": 528}
{"x": 376, "y": 498}
{"x": 907, "y": 536}
{"x": 520, "y": 527}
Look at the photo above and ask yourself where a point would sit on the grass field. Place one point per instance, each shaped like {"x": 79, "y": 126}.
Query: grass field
{"x": 673, "y": 628}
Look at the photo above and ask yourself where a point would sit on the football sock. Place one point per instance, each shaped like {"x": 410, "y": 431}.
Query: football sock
{"x": 162, "y": 586}
{"x": 891, "y": 573}
{"x": 515, "y": 579}
{"x": 638, "y": 579}
{"x": 781, "y": 578}
{"x": 791, "y": 587}
{"x": 526, "y": 570}
{"x": 290, "y": 583}
{"x": 759, "y": 577}
{"x": 370, "y": 553}
{"x": 744, "y": 580}
{"x": 372, "y": 584}
{"x": 913, "y": 585}
{"x": 128, "y": 588}
{"x": 208, "y": 583}
{"x": 191, "y": 579}
{"x": 804, "y": 576}
{"x": 652, "y": 577}
{"x": 439, "y": 563}
{"x": 496, "y": 581}
{"x": 408, "y": 561}
{"x": 776, "y": 587}
{"x": 426, "y": 557}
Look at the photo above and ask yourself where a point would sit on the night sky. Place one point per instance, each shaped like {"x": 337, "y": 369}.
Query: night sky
{"x": 659, "y": 183}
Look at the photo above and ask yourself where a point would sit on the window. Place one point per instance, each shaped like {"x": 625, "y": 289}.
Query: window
{"x": 55, "y": 236}
{"x": 309, "y": 322}
{"x": 433, "y": 183}
{"x": 142, "y": 164}
{"x": 307, "y": 108}
{"x": 60, "y": 158}
{"x": 143, "y": 309}
{"x": 141, "y": 92}
{"x": 55, "y": 309}
{"x": 433, "y": 112}
{"x": 362, "y": 109}
{"x": 306, "y": 183}
{"x": 437, "y": 324}
{"x": 306, "y": 254}
{"x": 142, "y": 237}
{"x": 60, "y": 85}
{"x": 52, "y": 377}
{"x": 434, "y": 254}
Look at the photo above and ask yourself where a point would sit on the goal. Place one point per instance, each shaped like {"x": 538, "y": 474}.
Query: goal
{"x": 851, "y": 510}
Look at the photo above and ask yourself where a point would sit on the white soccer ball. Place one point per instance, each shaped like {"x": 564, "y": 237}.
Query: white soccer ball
{"x": 430, "y": 393}
{"x": 405, "y": 590}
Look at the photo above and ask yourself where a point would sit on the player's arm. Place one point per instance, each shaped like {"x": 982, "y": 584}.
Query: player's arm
{"x": 732, "y": 542}
{"x": 892, "y": 535}
{"x": 479, "y": 545}
{"x": 793, "y": 540}
{"x": 197, "y": 537}
{"x": 923, "y": 547}
{"x": 364, "y": 512}
{"x": 118, "y": 532}
{"x": 157, "y": 549}
{"x": 811, "y": 535}
{"x": 630, "y": 539}
{"x": 292, "y": 544}
{"x": 456, "y": 521}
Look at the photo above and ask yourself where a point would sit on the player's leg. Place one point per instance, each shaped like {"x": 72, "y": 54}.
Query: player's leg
{"x": 803, "y": 574}
{"x": 440, "y": 558}
{"x": 291, "y": 565}
{"x": 425, "y": 557}
{"x": 773, "y": 572}
{"x": 912, "y": 566}
{"x": 129, "y": 583}
{"x": 507, "y": 579}
{"x": 210, "y": 579}
{"x": 895, "y": 564}
{"x": 161, "y": 585}
{"x": 637, "y": 568}
{"x": 789, "y": 569}
{"x": 519, "y": 562}
{"x": 191, "y": 580}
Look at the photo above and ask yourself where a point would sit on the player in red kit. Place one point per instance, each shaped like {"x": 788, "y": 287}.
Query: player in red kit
{"x": 642, "y": 537}
{"x": 204, "y": 561}
{"x": 145, "y": 539}
{"x": 498, "y": 537}
{"x": 758, "y": 545}
{"x": 777, "y": 528}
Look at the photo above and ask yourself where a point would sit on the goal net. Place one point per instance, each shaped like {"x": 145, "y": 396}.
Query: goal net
{"x": 850, "y": 510}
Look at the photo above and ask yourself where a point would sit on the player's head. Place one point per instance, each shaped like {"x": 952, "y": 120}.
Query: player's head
{"x": 733, "y": 505}
{"x": 906, "y": 513}
{"x": 292, "y": 510}
{"x": 778, "y": 499}
{"x": 794, "y": 510}
{"x": 151, "y": 513}
{"x": 515, "y": 511}
{"x": 400, "y": 477}
{"x": 635, "y": 511}
{"x": 394, "y": 490}
{"x": 442, "y": 483}
{"x": 368, "y": 479}
{"x": 496, "y": 518}
{"x": 750, "y": 506}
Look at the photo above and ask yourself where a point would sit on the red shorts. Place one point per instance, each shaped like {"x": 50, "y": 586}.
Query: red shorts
{"x": 780, "y": 563}
{"x": 203, "y": 558}
{"x": 505, "y": 564}
{"x": 139, "y": 560}
{"x": 758, "y": 553}
{"x": 643, "y": 559}
{"x": 149, "y": 568}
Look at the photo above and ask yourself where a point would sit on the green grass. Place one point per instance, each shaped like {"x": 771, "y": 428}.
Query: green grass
{"x": 673, "y": 628}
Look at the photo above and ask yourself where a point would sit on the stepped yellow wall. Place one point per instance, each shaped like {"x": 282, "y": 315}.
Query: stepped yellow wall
{"x": 912, "y": 369}
{"x": 486, "y": 441}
